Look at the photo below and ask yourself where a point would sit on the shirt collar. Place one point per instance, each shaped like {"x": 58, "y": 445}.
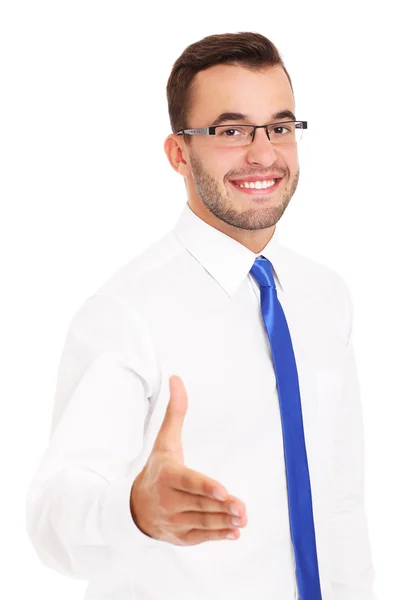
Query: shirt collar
{"x": 226, "y": 259}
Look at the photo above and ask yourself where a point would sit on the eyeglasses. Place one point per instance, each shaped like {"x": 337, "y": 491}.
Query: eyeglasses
{"x": 227, "y": 136}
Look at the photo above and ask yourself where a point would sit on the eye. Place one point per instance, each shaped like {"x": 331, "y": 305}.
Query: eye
{"x": 276, "y": 128}
{"x": 228, "y": 131}
{"x": 289, "y": 129}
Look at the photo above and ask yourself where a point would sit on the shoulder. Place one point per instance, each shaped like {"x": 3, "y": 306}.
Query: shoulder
{"x": 143, "y": 270}
{"x": 114, "y": 308}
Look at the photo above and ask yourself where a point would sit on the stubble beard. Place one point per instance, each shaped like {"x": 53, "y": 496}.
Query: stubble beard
{"x": 223, "y": 205}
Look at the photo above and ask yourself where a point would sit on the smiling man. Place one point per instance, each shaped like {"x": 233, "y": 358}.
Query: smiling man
{"x": 207, "y": 434}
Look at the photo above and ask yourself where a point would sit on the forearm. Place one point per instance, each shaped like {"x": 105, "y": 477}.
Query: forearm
{"x": 78, "y": 503}
{"x": 63, "y": 523}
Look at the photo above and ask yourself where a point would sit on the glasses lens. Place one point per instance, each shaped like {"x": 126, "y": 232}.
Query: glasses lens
{"x": 240, "y": 135}
{"x": 233, "y": 135}
{"x": 287, "y": 132}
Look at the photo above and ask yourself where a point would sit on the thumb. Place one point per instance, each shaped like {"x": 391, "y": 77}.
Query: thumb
{"x": 169, "y": 438}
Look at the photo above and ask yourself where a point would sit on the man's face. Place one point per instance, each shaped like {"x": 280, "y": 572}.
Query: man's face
{"x": 208, "y": 169}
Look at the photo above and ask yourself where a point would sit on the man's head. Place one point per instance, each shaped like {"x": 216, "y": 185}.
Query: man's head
{"x": 234, "y": 73}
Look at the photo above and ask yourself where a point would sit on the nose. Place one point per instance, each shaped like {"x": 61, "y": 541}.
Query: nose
{"x": 261, "y": 150}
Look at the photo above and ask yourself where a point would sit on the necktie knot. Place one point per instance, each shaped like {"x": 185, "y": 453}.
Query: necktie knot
{"x": 262, "y": 272}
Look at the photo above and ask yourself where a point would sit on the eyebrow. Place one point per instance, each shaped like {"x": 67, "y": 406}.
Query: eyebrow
{"x": 236, "y": 116}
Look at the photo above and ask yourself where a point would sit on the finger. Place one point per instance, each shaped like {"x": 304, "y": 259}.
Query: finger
{"x": 169, "y": 438}
{"x": 206, "y": 520}
{"x": 188, "y": 480}
{"x": 195, "y": 502}
{"x": 198, "y": 536}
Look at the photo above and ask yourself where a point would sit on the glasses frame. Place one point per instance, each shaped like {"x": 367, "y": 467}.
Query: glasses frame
{"x": 211, "y": 130}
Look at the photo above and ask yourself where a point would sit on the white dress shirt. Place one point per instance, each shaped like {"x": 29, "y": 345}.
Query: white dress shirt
{"x": 188, "y": 306}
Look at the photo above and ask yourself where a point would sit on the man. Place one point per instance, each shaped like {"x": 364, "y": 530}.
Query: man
{"x": 207, "y": 437}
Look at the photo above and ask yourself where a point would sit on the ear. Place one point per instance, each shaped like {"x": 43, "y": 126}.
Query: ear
{"x": 176, "y": 151}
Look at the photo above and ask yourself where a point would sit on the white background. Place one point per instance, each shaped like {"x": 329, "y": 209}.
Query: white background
{"x": 85, "y": 186}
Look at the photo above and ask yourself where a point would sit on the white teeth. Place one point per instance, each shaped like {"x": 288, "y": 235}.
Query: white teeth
{"x": 257, "y": 185}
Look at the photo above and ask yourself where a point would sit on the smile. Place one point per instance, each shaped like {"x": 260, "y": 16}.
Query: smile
{"x": 257, "y": 187}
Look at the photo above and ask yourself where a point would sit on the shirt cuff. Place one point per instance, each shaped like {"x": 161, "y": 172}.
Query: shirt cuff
{"x": 119, "y": 528}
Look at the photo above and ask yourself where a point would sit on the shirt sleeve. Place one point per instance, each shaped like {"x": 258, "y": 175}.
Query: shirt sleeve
{"x": 78, "y": 502}
{"x": 353, "y": 573}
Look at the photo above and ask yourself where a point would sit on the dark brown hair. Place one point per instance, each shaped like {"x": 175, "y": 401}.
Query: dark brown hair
{"x": 248, "y": 49}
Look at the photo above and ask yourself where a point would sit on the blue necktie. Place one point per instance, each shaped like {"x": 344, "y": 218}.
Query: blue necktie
{"x": 298, "y": 481}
